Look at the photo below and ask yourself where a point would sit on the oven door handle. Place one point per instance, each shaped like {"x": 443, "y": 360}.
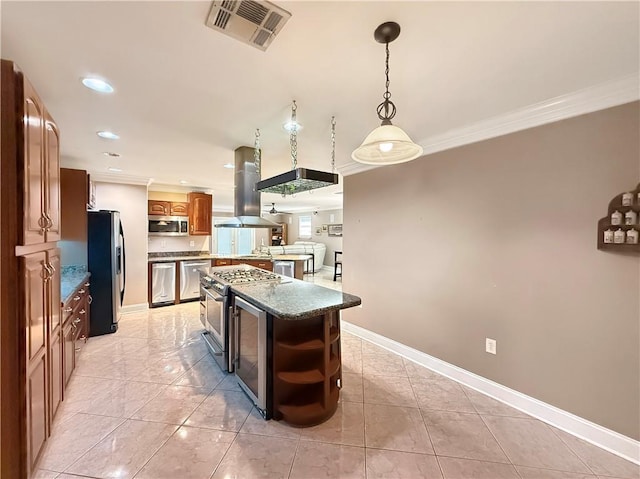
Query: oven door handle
{"x": 214, "y": 295}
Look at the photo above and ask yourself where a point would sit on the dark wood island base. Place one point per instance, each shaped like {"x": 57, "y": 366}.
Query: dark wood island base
{"x": 307, "y": 372}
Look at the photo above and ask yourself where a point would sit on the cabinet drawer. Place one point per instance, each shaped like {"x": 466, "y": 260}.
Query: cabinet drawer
{"x": 221, "y": 262}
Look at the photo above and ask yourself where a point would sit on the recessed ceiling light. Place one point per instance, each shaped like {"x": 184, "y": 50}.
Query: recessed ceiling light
{"x": 290, "y": 125}
{"x": 111, "y": 154}
{"x": 184, "y": 182}
{"x": 228, "y": 165}
{"x": 108, "y": 135}
{"x": 98, "y": 85}
{"x": 115, "y": 170}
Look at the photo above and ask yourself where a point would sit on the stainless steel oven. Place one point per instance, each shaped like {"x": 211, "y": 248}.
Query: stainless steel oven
{"x": 215, "y": 307}
{"x": 250, "y": 352}
{"x": 213, "y": 316}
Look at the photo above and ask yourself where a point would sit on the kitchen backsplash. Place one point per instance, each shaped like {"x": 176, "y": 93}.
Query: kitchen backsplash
{"x": 162, "y": 244}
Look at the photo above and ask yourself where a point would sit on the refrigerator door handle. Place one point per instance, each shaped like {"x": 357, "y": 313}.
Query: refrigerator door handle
{"x": 124, "y": 267}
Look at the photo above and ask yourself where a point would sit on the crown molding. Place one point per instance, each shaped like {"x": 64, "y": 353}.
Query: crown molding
{"x": 122, "y": 179}
{"x": 597, "y": 97}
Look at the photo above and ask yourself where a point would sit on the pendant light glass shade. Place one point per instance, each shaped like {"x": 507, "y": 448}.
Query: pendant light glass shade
{"x": 386, "y": 145}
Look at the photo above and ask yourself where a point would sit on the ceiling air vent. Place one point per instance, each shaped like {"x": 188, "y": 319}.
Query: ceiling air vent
{"x": 252, "y": 22}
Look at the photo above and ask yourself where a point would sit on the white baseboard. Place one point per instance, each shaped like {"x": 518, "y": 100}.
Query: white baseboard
{"x": 326, "y": 268}
{"x": 132, "y": 308}
{"x": 600, "y": 436}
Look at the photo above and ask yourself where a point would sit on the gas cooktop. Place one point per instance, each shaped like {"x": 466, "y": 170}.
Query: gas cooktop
{"x": 235, "y": 276}
{"x": 222, "y": 277}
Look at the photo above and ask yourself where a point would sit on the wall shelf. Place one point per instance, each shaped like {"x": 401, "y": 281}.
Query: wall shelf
{"x": 605, "y": 223}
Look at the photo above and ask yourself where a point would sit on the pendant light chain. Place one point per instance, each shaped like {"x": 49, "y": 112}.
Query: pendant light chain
{"x": 256, "y": 152}
{"x": 387, "y": 105}
{"x": 333, "y": 144}
{"x": 293, "y": 139}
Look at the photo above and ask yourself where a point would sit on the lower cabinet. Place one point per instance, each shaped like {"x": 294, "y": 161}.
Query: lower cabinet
{"x": 56, "y": 370}
{"x": 262, "y": 264}
{"x": 37, "y": 415}
{"x": 307, "y": 371}
{"x": 75, "y": 330}
{"x": 69, "y": 351}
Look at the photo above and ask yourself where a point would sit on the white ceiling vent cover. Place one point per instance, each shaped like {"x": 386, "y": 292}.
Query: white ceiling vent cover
{"x": 252, "y": 22}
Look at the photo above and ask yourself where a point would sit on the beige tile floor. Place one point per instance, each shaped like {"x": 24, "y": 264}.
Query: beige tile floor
{"x": 148, "y": 402}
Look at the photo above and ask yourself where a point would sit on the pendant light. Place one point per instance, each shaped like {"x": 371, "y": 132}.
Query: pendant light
{"x": 299, "y": 179}
{"x": 387, "y": 144}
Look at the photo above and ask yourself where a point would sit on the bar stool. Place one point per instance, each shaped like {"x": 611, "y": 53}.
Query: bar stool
{"x": 337, "y": 263}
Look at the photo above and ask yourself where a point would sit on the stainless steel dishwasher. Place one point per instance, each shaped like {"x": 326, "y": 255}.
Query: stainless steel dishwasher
{"x": 163, "y": 283}
{"x": 190, "y": 278}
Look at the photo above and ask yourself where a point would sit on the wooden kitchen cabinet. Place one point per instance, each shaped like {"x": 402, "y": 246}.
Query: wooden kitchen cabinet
{"x": 73, "y": 198}
{"x": 179, "y": 208}
{"x": 200, "y": 212}
{"x": 76, "y": 326}
{"x": 41, "y": 288}
{"x": 258, "y": 263}
{"x": 30, "y": 345}
{"x": 41, "y": 180}
{"x": 159, "y": 208}
{"x": 307, "y": 371}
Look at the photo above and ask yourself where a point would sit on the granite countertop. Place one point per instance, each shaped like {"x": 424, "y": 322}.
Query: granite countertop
{"x": 161, "y": 258}
{"x": 292, "y": 257}
{"x": 71, "y": 277}
{"x": 293, "y": 299}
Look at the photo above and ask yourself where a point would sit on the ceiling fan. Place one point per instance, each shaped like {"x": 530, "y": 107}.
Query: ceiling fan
{"x": 275, "y": 211}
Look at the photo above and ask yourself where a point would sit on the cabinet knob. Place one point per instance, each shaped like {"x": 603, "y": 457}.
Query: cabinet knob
{"x": 81, "y": 291}
{"x": 68, "y": 309}
{"x": 76, "y": 321}
{"x": 82, "y": 311}
{"x": 86, "y": 285}
{"x": 77, "y": 298}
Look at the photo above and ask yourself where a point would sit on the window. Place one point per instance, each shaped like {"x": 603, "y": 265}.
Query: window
{"x": 304, "y": 227}
{"x": 232, "y": 240}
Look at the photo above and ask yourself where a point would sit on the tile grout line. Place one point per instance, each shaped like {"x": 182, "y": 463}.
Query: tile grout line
{"x": 490, "y": 431}
{"x": 571, "y": 449}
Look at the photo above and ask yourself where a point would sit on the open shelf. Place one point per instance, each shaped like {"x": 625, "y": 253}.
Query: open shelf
{"x": 301, "y": 377}
{"x": 306, "y": 367}
{"x": 307, "y": 345}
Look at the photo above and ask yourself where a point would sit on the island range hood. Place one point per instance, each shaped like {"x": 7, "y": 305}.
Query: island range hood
{"x": 246, "y": 206}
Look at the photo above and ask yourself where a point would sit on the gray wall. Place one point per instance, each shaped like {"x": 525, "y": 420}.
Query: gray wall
{"x": 498, "y": 239}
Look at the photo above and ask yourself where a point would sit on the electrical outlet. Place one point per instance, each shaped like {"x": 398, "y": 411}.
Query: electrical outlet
{"x": 491, "y": 345}
{"x": 192, "y": 243}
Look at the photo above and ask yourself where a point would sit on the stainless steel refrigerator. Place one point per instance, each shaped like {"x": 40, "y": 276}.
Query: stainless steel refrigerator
{"x": 107, "y": 266}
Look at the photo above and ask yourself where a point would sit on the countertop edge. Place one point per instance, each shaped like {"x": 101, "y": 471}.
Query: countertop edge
{"x": 84, "y": 278}
{"x": 350, "y": 303}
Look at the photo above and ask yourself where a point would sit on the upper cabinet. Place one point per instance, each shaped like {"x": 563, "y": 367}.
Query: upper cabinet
{"x": 168, "y": 208}
{"x": 41, "y": 218}
{"x": 200, "y": 211}
{"x": 73, "y": 194}
{"x": 161, "y": 208}
{"x": 179, "y": 208}
{"x": 52, "y": 165}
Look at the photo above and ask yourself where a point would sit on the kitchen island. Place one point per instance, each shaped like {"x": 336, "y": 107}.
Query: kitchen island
{"x": 286, "y": 350}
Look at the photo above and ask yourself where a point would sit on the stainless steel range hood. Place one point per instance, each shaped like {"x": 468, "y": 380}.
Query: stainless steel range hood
{"x": 246, "y": 206}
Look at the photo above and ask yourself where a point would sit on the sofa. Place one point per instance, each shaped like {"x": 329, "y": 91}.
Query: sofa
{"x": 301, "y": 247}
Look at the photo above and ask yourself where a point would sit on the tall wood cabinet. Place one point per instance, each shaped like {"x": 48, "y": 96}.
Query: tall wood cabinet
{"x": 30, "y": 329}
{"x": 200, "y": 212}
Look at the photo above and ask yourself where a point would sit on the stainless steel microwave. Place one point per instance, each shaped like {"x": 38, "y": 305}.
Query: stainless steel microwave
{"x": 168, "y": 225}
